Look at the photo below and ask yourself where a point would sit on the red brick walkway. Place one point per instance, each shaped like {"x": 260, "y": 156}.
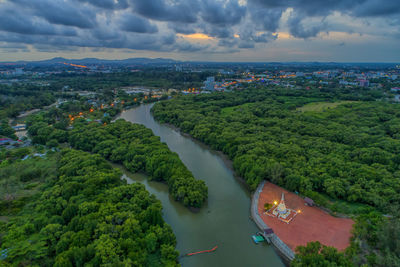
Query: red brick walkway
{"x": 312, "y": 224}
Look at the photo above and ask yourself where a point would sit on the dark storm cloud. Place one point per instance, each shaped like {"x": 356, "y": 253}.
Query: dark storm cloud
{"x": 362, "y": 8}
{"x": 176, "y": 11}
{"x": 108, "y": 4}
{"x": 268, "y": 18}
{"x": 138, "y": 41}
{"x": 250, "y": 36}
{"x": 222, "y": 13}
{"x": 60, "y": 12}
{"x": 297, "y": 28}
{"x": 153, "y": 24}
{"x": 132, "y": 23}
{"x": 216, "y": 31}
{"x": 13, "y": 21}
{"x": 372, "y": 8}
{"x": 181, "y": 28}
{"x": 303, "y": 9}
{"x": 309, "y": 7}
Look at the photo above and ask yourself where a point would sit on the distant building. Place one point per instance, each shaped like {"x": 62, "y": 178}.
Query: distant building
{"x": 364, "y": 83}
{"x": 343, "y": 82}
{"x": 209, "y": 84}
{"x": 18, "y": 71}
{"x": 225, "y": 72}
{"x": 395, "y": 89}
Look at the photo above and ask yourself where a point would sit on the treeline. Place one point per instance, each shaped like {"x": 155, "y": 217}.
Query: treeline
{"x": 6, "y": 130}
{"x": 122, "y": 142}
{"x": 159, "y": 78}
{"x": 88, "y": 217}
{"x": 17, "y": 98}
{"x": 135, "y": 146}
{"x": 350, "y": 152}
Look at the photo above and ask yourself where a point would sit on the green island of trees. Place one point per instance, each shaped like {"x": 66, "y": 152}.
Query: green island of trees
{"x": 87, "y": 216}
{"x": 138, "y": 149}
{"x": 132, "y": 145}
{"x": 345, "y": 156}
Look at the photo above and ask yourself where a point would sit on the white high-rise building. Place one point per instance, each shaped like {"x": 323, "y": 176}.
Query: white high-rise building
{"x": 209, "y": 84}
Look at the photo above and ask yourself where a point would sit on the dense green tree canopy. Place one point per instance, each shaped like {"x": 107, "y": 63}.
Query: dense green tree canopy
{"x": 346, "y": 150}
{"x": 122, "y": 142}
{"x": 349, "y": 152}
{"x": 317, "y": 255}
{"x": 87, "y": 216}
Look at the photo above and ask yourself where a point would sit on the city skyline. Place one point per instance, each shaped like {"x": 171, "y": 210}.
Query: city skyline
{"x": 225, "y": 30}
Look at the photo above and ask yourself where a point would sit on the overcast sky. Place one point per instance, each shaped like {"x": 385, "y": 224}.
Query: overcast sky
{"x": 206, "y": 30}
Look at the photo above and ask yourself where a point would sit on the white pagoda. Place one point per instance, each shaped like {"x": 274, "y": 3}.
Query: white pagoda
{"x": 281, "y": 211}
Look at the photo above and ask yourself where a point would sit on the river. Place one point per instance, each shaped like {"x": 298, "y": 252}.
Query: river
{"x": 225, "y": 218}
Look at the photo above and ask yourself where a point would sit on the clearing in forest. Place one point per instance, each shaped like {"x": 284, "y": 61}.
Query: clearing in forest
{"x": 321, "y": 106}
{"x": 310, "y": 224}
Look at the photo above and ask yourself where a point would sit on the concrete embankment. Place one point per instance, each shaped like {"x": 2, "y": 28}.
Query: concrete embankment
{"x": 282, "y": 248}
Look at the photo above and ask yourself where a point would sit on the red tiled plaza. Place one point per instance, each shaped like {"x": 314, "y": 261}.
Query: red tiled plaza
{"x": 311, "y": 224}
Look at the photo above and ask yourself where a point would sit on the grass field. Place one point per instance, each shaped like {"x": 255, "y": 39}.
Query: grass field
{"x": 230, "y": 110}
{"x": 321, "y": 106}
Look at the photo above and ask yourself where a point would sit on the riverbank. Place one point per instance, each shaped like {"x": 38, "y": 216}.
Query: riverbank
{"x": 224, "y": 220}
{"x": 227, "y": 161}
{"x": 285, "y": 252}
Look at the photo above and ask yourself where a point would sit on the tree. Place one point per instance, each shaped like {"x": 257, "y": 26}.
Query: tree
{"x": 314, "y": 254}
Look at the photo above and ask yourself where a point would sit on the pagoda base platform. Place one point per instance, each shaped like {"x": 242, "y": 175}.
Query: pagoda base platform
{"x": 288, "y": 218}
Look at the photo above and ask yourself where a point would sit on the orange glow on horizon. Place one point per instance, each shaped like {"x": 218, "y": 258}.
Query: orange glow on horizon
{"x": 196, "y": 36}
{"x": 284, "y": 35}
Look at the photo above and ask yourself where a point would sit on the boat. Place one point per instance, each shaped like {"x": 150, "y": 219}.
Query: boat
{"x": 258, "y": 239}
{"x": 204, "y": 251}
